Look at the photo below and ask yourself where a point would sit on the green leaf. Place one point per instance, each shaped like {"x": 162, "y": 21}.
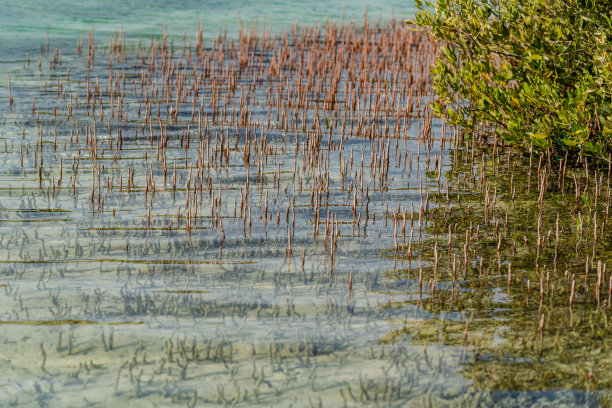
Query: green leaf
{"x": 534, "y": 57}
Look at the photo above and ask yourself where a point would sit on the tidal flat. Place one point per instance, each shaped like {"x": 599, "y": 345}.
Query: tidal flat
{"x": 278, "y": 220}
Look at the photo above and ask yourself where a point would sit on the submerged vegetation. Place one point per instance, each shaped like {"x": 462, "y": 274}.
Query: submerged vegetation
{"x": 515, "y": 269}
{"x": 534, "y": 72}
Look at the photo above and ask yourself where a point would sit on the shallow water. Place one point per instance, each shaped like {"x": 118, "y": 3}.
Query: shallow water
{"x": 274, "y": 262}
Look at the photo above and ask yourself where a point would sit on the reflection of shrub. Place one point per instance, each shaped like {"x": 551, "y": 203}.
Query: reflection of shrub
{"x": 534, "y": 70}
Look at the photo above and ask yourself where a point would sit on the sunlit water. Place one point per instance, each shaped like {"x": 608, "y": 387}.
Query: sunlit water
{"x": 108, "y": 298}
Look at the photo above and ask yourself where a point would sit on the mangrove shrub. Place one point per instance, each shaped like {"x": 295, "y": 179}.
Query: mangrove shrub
{"x": 533, "y": 71}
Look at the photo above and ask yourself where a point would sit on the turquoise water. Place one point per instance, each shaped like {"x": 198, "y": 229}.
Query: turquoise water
{"x": 25, "y": 24}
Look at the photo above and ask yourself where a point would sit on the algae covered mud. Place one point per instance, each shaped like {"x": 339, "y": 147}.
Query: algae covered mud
{"x": 277, "y": 220}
